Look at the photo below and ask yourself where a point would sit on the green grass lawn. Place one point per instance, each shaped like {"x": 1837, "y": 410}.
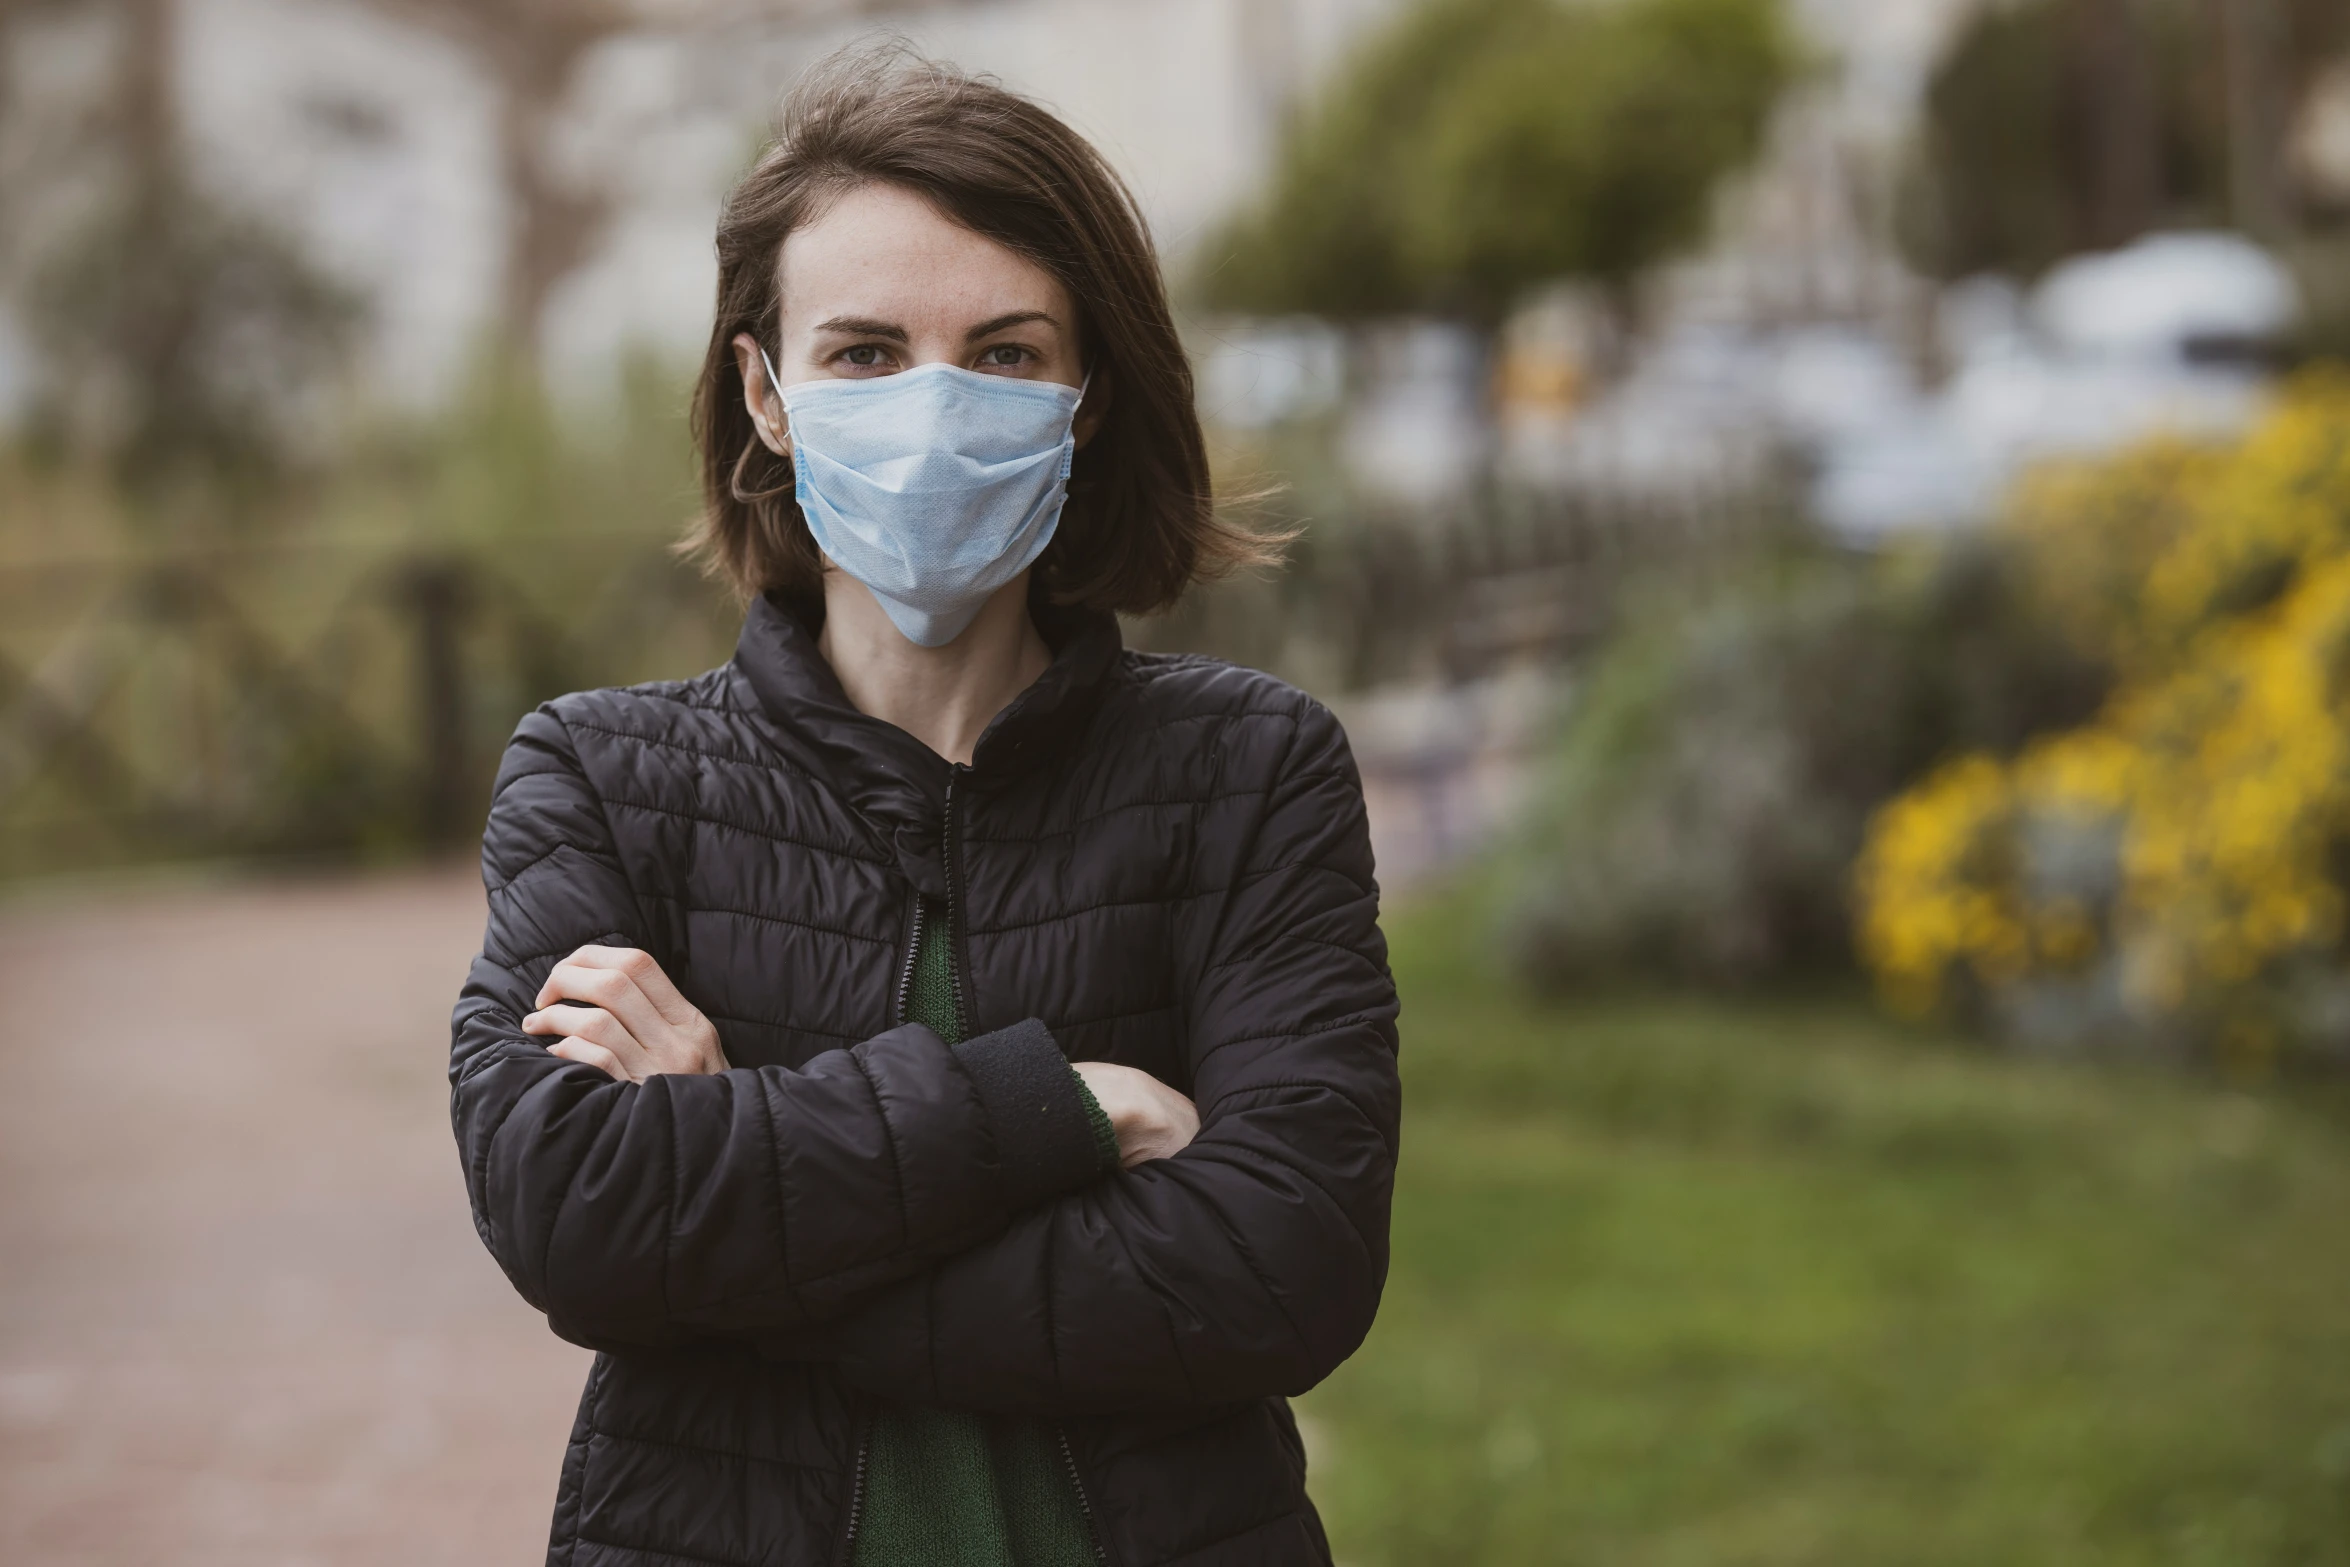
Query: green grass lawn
{"x": 1682, "y": 1282}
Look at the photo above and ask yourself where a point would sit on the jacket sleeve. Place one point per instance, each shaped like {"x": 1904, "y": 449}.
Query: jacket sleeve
{"x": 1251, "y": 1262}
{"x": 748, "y": 1202}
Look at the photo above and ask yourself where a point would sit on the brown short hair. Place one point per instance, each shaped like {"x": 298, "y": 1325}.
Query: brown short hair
{"x": 1140, "y": 524}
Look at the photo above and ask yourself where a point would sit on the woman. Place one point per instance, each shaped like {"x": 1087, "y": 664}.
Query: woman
{"x": 762, "y": 1079}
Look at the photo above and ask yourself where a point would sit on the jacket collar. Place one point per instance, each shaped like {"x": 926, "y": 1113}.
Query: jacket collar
{"x": 894, "y": 781}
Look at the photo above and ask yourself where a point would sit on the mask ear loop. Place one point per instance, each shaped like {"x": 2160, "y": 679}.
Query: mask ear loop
{"x": 735, "y": 487}
{"x": 775, "y": 387}
{"x": 1069, "y": 441}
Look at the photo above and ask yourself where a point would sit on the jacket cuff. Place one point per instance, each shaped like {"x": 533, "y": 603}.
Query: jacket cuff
{"x": 1036, "y": 1108}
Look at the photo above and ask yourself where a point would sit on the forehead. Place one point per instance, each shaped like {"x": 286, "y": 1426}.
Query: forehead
{"x": 882, "y": 252}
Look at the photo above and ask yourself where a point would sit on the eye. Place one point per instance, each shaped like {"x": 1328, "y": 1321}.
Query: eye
{"x": 865, "y": 356}
{"x": 1005, "y": 356}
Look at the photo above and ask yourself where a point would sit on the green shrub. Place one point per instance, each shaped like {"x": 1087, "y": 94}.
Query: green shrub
{"x": 1701, "y": 812}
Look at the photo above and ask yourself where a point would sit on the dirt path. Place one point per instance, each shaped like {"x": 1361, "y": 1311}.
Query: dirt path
{"x": 244, "y": 1318}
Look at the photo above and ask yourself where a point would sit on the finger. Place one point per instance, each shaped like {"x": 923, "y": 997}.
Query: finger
{"x": 639, "y": 966}
{"x": 655, "y": 983}
{"x": 594, "y": 955}
{"x": 613, "y": 989}
{"x": 595, "y": 1026}
{"x": 588, "y": 1054}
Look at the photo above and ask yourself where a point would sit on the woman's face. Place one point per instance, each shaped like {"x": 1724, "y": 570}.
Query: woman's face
{"x": 882, "y": 282}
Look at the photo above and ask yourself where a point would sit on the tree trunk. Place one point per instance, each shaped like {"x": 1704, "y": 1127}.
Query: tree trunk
{"x": 2251, "y": 35}
{"x": 2116, "y": 133}
{"x": 530, "y": 49}
{"x": 553, "y": 224}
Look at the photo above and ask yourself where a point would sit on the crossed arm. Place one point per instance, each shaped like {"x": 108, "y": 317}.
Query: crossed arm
{"x": 887, "y": 1207}
{"x": 613, "y": 1009}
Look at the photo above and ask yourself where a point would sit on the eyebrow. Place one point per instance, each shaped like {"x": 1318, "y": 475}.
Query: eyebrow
{"x": 867, "y": 326}
{"x": 1004, "y": 322}
{"x": 863, "y": 326}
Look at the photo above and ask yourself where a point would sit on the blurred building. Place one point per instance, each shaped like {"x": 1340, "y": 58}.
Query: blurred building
{"x": 1575, "y": 396}
{"x": 1802, "y": 340}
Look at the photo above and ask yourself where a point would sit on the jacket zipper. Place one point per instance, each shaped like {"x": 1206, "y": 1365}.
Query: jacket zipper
{"x": 906, "y": 975}
{"x": 848, "y": 1537}
{"x": 1093, "y": 1535}
{"x": 946, "y": 835}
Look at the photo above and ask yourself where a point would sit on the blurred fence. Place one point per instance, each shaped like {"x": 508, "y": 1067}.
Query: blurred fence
{"x": 1374, "y": 598}
{"x": 347, "y": 695}
{"x": 328, "y": 696}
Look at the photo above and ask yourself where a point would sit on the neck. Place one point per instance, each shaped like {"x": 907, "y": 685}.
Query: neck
{"x": 944, "y": 697}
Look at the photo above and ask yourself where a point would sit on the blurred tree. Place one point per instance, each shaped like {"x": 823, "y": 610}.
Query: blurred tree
{"x": 2056, "y": 126}
{"x": 175, "y": 333}
{"x": 1481, "y": 147}
{"x": 1330, "y": 235}
{"x": 531, "y": 49}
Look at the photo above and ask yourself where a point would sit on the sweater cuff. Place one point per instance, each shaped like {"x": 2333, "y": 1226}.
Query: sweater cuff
{"x": 1036, "y": 1108}
{"x": 1105, "y": 1136}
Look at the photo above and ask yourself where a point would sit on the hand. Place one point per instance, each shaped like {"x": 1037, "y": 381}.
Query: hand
{"x": 1151, "y": 1119}
{"x": 633, "y": 1023}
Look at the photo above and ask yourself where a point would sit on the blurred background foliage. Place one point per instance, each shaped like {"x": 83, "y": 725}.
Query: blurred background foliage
{"x": 1697, "y": 823}
{"x": 187, "y": 341}
{"x": 1479, "y": 148}
{"x": 2169, "y": 877}
{"x": 2079, "y": 776}
{"x": 327, "y": 663}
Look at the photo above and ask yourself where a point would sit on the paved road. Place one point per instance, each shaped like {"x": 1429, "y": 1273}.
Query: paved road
{"x": 244, "y": 1318}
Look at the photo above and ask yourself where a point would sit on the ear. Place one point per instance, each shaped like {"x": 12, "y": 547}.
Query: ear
{"x": 764, "y": 402}
{"x": 1094, "y": 409}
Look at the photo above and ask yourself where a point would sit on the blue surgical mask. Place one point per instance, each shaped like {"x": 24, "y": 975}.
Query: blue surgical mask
{"x": 934, "y": 486}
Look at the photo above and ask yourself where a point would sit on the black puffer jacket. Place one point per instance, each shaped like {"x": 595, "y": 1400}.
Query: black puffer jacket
{"x": 1162, "y": 861}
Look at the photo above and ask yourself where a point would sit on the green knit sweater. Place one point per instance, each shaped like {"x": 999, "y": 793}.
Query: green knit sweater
{"x": 951, "y": 1488}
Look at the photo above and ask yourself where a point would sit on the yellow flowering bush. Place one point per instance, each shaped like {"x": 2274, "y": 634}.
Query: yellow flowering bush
{"x": 2258, "y": 519}
{"x": 1949, "y": 893}
{"x": 2085, "y": 532}
{"x": 2142, "y": 552}
{"x": 2175, "y": 871}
